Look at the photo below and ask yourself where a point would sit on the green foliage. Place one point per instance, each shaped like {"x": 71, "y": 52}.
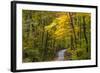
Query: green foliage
{"x": 44, "y": 33}
{"x": 32, "y": 55}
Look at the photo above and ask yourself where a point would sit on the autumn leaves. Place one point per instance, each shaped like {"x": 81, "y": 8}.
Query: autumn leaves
{"x": 46, "y": 32}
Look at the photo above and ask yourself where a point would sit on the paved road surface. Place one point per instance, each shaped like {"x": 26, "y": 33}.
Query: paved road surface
{"x": 60, "y": 55}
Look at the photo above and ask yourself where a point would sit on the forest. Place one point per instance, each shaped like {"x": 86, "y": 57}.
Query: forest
{"x": 55, "y": 36}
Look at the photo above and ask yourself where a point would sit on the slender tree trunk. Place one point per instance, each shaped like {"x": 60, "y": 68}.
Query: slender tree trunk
{"x": 79, "y": 24}
{"x": 45, "y": 47}
{"x": 73, "y": 29}
{"x": 42, "y": 38}
{"x": 84, "y": 30}
{"x": 71, "y": 43}
{"x": 80, "y": 32}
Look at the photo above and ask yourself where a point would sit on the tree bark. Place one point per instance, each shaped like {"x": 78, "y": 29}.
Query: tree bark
{"x": 45, "y": 47}
{"x": 73, "y": 29}
{"x": 84, "y": 30}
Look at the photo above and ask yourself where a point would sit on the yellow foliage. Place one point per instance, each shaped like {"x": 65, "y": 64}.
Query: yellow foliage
{"x": 63, "y": 19}
{"x": 49, "y": 27}
{"x": 77, "y": 29}
{"x": 62, "y": 26}
{"x": 60, "y": 31}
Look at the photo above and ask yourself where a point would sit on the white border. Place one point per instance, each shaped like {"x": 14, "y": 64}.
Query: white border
{"x": 37, "y": 65}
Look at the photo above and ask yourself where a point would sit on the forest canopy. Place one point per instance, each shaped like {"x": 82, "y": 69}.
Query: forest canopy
{"x": 45, "y": 33}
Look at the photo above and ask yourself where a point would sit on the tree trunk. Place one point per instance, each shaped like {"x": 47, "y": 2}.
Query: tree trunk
{"x": 45, "y": 47}
{"x": 73, "y": 30}
{"x": 84, "y": 30}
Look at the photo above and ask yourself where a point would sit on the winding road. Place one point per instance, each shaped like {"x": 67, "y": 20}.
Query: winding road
{"x": 60, "y": 55}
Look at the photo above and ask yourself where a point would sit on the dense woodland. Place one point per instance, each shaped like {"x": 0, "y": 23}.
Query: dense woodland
{"x": 44, "y": 33}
